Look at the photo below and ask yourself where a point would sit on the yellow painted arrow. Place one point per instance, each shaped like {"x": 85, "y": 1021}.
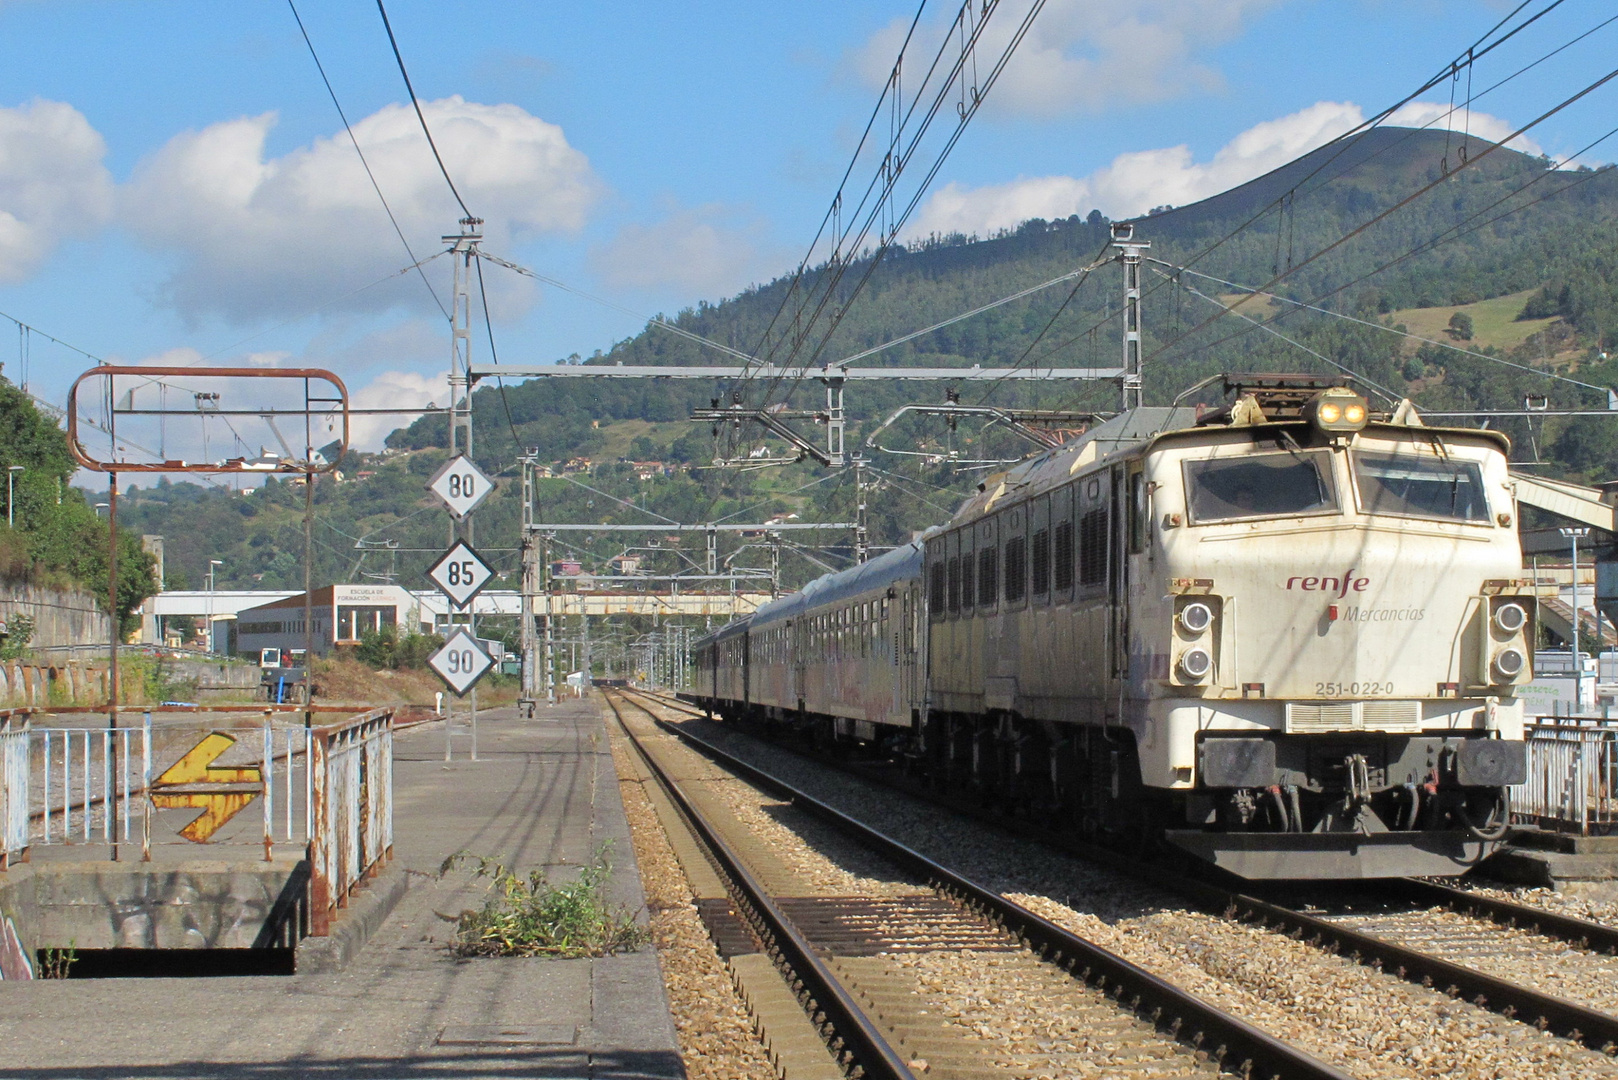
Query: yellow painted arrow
{"x": 197, "y": 767}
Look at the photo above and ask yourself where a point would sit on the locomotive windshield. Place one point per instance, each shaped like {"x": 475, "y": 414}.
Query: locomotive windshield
{"x": 1420, "y": 487}
{"x": 1262, "y": 485}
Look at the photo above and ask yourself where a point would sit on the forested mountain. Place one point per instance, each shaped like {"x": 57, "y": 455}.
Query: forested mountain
{"x": 1505, "y": 258}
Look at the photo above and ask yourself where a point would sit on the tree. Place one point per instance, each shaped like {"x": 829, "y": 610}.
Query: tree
{"x": 1460, "y": 326}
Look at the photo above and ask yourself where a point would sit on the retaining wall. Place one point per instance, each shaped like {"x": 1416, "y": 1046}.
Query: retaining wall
{"x": 61, "y": 616}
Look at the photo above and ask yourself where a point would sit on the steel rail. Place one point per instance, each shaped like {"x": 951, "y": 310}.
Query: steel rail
{"x": 1590, "y": 1027}
{"x": 1594, "y": 936}
{"x": 1226, "y": 1040}
{"x": 857, "y": 1036}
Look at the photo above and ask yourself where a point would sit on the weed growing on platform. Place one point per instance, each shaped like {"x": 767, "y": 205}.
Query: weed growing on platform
{"x": 57, "y": 963}
{"x": 528, "y": 915}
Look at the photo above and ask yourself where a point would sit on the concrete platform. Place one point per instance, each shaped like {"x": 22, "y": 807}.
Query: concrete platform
{"x": 544, "y": 794}
{"x": 1582, "y": 865}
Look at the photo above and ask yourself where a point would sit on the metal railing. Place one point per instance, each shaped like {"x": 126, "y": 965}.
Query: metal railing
{"x": 96, "y": 785}
{"x": 1572, "y": 775}
{"x": 14, "y": 793}
{"x": 352, "y": 766}
{"x": 327, "y": 790}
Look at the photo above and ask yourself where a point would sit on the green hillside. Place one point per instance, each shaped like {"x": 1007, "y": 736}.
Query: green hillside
{"x": 1528, "y": 254}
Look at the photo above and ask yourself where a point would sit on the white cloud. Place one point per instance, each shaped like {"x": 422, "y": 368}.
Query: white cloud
{"x": 52, "y": 183}
{"x": 257, "y": 236}
{"x": 1087, "y": 54}
{"x": 1140, "y": 180}
{"x": 1420, "y": 114}
{"x": 701, "y": 251}
{"x": 392, "y": 390}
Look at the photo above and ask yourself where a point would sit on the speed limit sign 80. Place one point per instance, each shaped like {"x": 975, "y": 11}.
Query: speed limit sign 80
{"x": 461, "y": 485}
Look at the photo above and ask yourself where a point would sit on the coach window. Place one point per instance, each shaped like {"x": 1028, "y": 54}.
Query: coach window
{"x": 1016, "y": 548}
{"x": 1062, "y": 549}
{"x": 988, "y": 554}
{"x": 1039, "y": 548}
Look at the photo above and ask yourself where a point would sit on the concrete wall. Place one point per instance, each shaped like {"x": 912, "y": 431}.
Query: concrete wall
{"x": 201, "y": 904}
{"x": 61, "y": 616}
{"x": 67, "y": 682}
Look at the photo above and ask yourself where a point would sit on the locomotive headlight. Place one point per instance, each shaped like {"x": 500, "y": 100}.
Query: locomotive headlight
{"x": 1337, "y": 410}
{"x": 1195, "y": 618}
{"x": 1509, "y": 663}
{"x": 1510, "y": 618}
{"x": 1195, "y": 664}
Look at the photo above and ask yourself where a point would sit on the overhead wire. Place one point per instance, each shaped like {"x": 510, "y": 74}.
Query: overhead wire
{"x": 1463, "y": 228}
{"x": 652, "y": 320}
{"x": 1347, "y": 139}
{"x": 416, "y": 104}
{"x": 361, "y": 154}
{"x": 1391, "y": 396}
{"x": 1389, "y": 329}
{"x": 1402, "y": 203}
{"x": 891, "y": 169}
{"x": 979, "y": 95}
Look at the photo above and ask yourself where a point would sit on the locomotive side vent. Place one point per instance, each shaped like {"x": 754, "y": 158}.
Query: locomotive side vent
{"x": 1307, "y": 717}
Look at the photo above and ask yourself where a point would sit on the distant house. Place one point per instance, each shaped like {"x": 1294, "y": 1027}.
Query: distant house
{"x": 574, "y": 466}
{"x": 566, "y": 568}
{"x": 650, "y": 470}
{"x": 625, "y": 564}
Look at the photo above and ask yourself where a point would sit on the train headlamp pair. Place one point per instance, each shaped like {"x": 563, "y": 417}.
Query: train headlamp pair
{"x": 1337, "y": 410}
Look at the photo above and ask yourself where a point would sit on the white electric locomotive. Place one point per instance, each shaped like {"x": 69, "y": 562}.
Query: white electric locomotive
{"x": 1283, "y": 636}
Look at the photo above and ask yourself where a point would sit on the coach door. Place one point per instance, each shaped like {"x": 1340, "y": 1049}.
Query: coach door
{"x": 797, "y": 647}
{"x": 1117, "y": 579}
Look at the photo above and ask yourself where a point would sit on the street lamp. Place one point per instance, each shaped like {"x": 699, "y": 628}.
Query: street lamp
{"x": 11, "y": 475}
{"x": 1573, "y": 536}
{"x": 211, "y": 564}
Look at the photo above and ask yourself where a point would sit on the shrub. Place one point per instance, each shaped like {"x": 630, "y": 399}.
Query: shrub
{"x": 527, "y": 915}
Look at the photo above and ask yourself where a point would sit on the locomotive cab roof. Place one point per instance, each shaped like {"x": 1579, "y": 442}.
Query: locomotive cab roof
{"x": 1264, "y": 406}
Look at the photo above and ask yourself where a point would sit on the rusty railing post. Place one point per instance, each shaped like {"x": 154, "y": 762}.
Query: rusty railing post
{"x": 320, "y": 897}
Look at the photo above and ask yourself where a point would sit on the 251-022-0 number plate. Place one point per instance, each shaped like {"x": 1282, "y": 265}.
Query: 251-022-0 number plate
{"x": 1352, "y": 689}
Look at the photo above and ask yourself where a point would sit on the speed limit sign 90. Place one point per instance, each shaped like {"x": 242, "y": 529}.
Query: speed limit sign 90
{"x": 461, "y": 662}
{"x": 461, "y": 485}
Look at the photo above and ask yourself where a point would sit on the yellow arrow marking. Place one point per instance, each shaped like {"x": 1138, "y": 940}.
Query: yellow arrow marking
{"x": 197, "y": 767}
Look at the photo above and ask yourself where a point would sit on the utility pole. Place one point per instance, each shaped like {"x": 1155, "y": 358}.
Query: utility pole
{"x": 775, "y": 564}
{"x": 463, "y": 249}
{"x": 547, "y": 584}
{"x": 1573, "y": 536}
{"x": 584, "y": 621}
{"x": 1129, "y": 253}
{"x": 861, "y": 536}
{"x": 529, "y": 695}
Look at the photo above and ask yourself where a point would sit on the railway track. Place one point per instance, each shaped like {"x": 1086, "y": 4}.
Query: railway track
{"x": 1550, "y": 971}
{"x": 874, "y": 970}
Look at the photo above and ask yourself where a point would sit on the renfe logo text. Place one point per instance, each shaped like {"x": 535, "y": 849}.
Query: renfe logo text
{"x": 1338, "y": 585}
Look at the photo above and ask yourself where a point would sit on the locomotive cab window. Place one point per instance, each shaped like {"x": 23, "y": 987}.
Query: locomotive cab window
{"x": 1260, "y": 486}
{"x": 1409, "y": 486}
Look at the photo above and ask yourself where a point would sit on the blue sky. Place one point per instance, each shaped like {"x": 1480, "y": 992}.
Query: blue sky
{"x": 175, "y": 183}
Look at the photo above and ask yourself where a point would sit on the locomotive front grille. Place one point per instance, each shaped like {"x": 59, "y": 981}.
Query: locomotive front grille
{"x": 1311, "y": 717}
